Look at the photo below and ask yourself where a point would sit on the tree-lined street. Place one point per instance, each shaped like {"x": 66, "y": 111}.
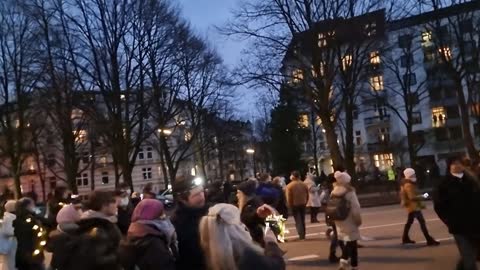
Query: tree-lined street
{"x": 382, "y": 228}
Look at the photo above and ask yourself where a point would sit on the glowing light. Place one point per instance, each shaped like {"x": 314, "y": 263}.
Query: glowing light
{"x": 43, "y": 243}
{"x": 250, "y": 151}
{"x": 36, "y": 252}
{"x": 29, "y": 220}
{"x": 169, "y": 186}
{"x": 35, "y": 227}
{"x": 198, "y": 181}
{"x": 39, "y": 234}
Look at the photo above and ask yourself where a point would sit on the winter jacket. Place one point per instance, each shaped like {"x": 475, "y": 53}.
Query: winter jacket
{"x": 268, "y": 193}
{"x": 271, "y": 260}
{"x": 29, "y": 233}
{"x": 297, "y": 193}
{"x": 61, "y": 244}
{"x": 186, "y": 221}
{"x": 281, "y": 206}
{"x": 410, "y": 199}
{"x": 7, "y": 261}
{"x": 149, "y": 246}
{"x": 348, "y": 229}
{"x": 457, "y": 203}
{"x": 124, "y": 217}
{"x": 95, "y": 244}
{"x": 313, "y": 194}
{"x": 254, "y": 223}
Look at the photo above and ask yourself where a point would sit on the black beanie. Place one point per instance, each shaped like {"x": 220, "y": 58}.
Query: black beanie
{"x": 248, "y": 187}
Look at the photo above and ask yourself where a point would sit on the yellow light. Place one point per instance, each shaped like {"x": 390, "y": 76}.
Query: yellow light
{"x": 36, "y": 252}
{"x": 40, "y": 234}
{"x": 43, "y": 243}
{"x": 35, "y": 227}
{"x": 61, "y": 204}
{"x": 29, "y": 220}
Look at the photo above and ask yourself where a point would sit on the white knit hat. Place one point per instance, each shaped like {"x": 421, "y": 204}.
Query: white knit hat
{"x": 408, "y": 173}
{"x": 342, "y": 177}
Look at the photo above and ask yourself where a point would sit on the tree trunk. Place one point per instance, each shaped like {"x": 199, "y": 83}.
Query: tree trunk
{"x": 18, "y": 186}
{"x": 349, "y": 144}
{"x": 314, "y": 142}
{"x": 92, "y": 166}
{"x": 220, "y": 164}
{"x": 166, "y": 178}
{"x": 465, "y": 118}
{"x": 332, "y": 141}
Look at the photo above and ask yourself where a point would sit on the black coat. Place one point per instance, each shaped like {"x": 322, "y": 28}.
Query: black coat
{"x": 95, "y": 244}
{"x": 29, "y": 233}
{"x": 272, "y": 260}
{"x": 147, "y": 253}
{"x": 457, "y": 203}
{"x": 61, "y": 244}
{"x": 124, "y": 218}
{"x": 186, "y": 221}
{"x": 254, "y": 223}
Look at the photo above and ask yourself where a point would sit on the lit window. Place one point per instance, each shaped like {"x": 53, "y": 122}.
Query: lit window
{"x": 346, "y": 61}
{"x": 321, "y": 68}
{"x": 438, "y": 117}
{"x": 322, "y": 40}
{"x": 193, "y": 172}
{"x": 383, "y": 135}
{"x": 147, "y": 173}
{"x": 303, "y": 121}
{"x": 122, "y": 97}
{"x": 377, "y": 83}
{"x": 383, "y": 161}
{"x": 103, "y": 160}
{"x": 371, "y": 29}
{"x": 375, "y": 57}
{"x": 188, "y": 136}
{"x": 446, "y": 52}
{"x": 81, "y": 136}
{"x": 426, "y": 36}
{"x": 318, "y": 121}
{"x": 297, "y": 75}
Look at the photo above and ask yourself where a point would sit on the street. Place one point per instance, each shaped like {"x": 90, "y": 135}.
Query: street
{"x": 382, "y": 229}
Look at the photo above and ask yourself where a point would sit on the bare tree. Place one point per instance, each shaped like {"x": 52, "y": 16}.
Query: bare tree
{"x": 17, "y": 80}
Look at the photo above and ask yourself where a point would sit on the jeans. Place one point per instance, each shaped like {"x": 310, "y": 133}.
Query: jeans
{"x": 350, "y": 251}
{"x": 468, "y": 252}
{"x": 411, "y": 217}
{"x": 313, "y": 214}
{"x": 299, "y": 216}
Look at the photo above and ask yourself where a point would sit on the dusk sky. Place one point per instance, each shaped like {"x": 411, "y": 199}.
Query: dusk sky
{"x": 204, "y": 15}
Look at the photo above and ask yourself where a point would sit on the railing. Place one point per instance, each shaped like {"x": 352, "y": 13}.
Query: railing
{"x": 377, "y": 120}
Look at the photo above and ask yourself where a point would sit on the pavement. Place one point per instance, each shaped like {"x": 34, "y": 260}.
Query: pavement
{"x": 382, "y": 230}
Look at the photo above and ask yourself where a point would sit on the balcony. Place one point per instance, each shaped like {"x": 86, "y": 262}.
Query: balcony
{"x": 377, "y": 120}
{"x": 370, "y": 96}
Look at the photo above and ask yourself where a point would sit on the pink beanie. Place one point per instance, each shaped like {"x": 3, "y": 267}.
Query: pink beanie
{"x": 342, "y": 178}
{"x": 68, "y": 214}
{"x": 147, "y": 209}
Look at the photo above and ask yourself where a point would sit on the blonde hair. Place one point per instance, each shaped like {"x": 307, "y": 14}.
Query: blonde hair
{"x": 224, "y": 237}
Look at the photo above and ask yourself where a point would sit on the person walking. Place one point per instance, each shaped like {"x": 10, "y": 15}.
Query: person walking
{"x": 191, "y": 207}
{"x": 348, "y": 229}
{"x": 8, "y": 241}
{"x": 30, "y": 234}
{"x": 414, "y": 205}
{"x": 314, "y": 203}
{"x": 457, "y": 203}
{"x": 151, "y": 241}
{"x": 227, "y": 245}
{"x": 297, "y": 198}
{"x": 124, "y": 211}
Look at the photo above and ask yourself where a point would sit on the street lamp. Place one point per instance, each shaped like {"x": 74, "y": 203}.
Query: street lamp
{"x": 165, "y": 132}
{"x": 251, "y": 151}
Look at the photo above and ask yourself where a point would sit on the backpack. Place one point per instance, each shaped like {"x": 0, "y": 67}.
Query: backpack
{"x": 338, "y": 208}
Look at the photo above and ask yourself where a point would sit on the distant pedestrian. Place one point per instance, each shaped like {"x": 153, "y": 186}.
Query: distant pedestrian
{"x": 191, "y": 207}
{"x": 314, "y": 202}
{"x": 54, "y": 204}
{"x": 297, "y": 198}
{"x": 227, "y": 245}
{"x": 413, "y": 202}
{"x": 457, "y": 203}
{"x": 282, "y": 201}
{"x": 8, "y": 241}
{"x": 332, "y": 232}
{"x": 125, "y": 210}
{"x": 151, "y": 243}
{"x": 348, "y": 229}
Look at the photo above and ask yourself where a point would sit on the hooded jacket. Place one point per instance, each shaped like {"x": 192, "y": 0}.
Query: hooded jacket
{"x": 410, "y": 199}
{"x": 150, "y": 245}
{"x": 348, "y": 229}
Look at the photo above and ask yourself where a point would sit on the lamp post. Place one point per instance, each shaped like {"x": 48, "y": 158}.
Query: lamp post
{"x": 251, "y": 152}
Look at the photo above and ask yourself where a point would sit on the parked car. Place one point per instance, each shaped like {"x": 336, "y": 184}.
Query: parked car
{"x": 166, "y": 197}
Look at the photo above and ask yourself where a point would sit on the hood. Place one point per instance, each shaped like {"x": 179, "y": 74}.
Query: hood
{"x": 90, "y": 214}
{"x": 158, "y": 227}
{"x": 8, "y": 217}
{"x": 340, "y": 190}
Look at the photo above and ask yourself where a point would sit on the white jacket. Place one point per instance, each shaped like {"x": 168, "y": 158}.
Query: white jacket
{"x": 348, "y": 229}
{"x": 313, "y": 192}
{"x": 7, "y": 262}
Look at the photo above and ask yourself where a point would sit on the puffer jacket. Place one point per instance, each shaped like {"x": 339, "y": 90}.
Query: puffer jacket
{"x": 95, "y": 244}
{"x": 410, "y": 199}
{"x": 61, "y": 245}
{"x": 348, "y": 229}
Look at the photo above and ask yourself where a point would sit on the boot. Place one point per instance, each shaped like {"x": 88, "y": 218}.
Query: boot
{"x": 344, "y": 265}
{"x": 407, "y": 241}
{"x": 432, "y": 242}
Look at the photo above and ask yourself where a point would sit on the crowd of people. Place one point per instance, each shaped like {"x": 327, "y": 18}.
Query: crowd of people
{"x": 125, "y": 231}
